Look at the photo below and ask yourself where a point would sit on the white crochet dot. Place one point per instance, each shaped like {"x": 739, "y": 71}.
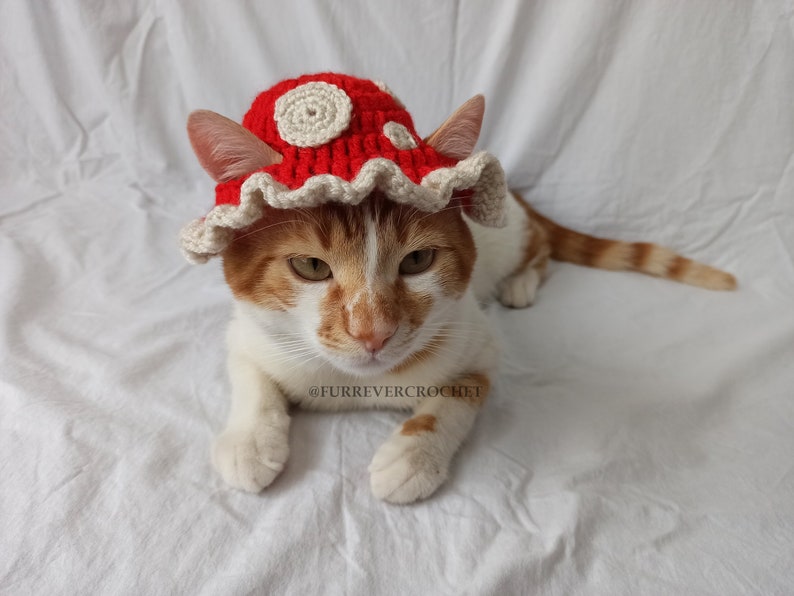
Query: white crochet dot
{"x": 399, "y": 136}
{"x": 383, "y": 87}
{"x": 312, "y": 114}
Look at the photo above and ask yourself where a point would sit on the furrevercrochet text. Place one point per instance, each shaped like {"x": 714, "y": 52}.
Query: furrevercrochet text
{"x": 389, "y": 391}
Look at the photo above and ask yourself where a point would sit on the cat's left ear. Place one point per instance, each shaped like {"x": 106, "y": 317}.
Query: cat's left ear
{"x": 457, "y": 137}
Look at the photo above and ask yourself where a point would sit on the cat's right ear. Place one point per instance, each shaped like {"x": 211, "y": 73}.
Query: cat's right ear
{"x": 225, "y": 149}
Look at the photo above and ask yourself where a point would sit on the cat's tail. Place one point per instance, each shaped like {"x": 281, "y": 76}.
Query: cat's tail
{"x": 652, "y": 259}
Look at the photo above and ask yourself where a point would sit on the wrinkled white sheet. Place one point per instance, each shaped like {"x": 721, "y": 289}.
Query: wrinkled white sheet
{"x": 640, "y": 438}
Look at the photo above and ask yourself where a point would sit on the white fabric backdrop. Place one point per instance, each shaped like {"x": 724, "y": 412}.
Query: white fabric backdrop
{"x": 640, "y": 437}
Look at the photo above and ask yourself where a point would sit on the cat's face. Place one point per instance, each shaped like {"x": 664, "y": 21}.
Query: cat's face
{"x": 365, "y": 289}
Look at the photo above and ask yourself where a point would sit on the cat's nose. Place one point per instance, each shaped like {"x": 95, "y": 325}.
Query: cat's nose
{"x": 374, "y": 338}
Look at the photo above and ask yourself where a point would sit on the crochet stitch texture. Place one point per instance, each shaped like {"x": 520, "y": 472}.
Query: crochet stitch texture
{"x": 341, "y": 138}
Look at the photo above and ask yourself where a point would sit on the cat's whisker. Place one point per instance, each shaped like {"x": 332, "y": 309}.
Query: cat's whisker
{"x": 437, "y": 349}
{"x": 287, "y": 339}
{"x": 290, "y": 354}
{"x": 461, "y": 332}
{"x": 291, "y": 342}
{"x": 317, "y": 366}
{"x": 453, "y": 326}
{"x": 296, "y": 348}
{"x": 443, "y": 209}
{"x": 262, "y": 229}
{"x": 294, "y": 362}
{"x": 312, "y": 215}
{"x": 285, "y": 359}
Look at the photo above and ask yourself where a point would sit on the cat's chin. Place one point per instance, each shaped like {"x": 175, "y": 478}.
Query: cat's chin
{"x": 362, "y": 367}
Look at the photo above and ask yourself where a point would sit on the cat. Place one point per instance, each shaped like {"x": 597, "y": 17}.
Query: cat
{"x": 378, "y": 305}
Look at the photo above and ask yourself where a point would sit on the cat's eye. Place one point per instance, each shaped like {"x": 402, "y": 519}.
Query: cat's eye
{"x": 417, "y": 261}
{"x": 310, "y": 268}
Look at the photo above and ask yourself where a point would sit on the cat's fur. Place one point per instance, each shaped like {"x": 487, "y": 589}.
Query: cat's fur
{"x": 374, "y": 337}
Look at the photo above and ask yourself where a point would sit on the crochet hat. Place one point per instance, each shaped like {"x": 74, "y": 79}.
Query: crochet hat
{"x": 333, "y": 137}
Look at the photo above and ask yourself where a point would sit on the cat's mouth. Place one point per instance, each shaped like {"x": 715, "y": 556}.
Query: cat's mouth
{"x": 364, "y": 364}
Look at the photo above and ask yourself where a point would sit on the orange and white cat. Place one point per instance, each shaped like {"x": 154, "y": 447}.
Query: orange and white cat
{"x": 379, "y": 303}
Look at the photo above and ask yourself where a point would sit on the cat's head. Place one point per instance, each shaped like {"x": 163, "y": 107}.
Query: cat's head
{"x": 366, "y": 288}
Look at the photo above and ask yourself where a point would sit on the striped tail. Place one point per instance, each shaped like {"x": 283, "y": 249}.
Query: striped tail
{"x": 644, "y": 257}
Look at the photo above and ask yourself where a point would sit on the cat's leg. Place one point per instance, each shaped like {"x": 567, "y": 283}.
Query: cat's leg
{"x": 254, "y": 446}
{"x": 518, "y": 289}
{"x": 415, "y": 460}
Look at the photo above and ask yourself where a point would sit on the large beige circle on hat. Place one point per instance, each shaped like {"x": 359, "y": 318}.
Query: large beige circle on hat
{"x": 312, "y": 114}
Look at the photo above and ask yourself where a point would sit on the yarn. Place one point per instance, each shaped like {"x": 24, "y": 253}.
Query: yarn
{"x": 312, "y": 114}
{"x": 341, "y": 138}
{"x": 399, "y": 136}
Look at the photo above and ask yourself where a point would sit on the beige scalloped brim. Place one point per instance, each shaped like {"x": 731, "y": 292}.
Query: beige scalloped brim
{"x": 206, "y": 237}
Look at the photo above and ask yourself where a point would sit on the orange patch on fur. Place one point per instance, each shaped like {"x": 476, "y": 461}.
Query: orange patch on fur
{"x": 641, "y": 254}
{"x": 253, "y": 264}
{"x": 424, "y": 423}
{"x": 473, "y": 388}
{"x": 677, "y": 268}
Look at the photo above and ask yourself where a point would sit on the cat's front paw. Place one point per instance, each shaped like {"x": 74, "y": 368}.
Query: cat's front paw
{"x": 518, "y": 290}
{"x": 406, "y": 469}
{"x": 251, "y": 458}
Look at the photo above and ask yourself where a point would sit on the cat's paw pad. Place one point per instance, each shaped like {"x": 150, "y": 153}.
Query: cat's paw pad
{"x": 518, "y": 291}
{"x": 250, "y": 459}
{"x": 404, "y": 470}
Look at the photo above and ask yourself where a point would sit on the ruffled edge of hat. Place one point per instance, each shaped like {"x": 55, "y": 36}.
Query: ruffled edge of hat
{"x": 204, "y": 238}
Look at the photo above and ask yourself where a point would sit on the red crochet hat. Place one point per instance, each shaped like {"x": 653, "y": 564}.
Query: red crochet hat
{"x": 341, "y": 138}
